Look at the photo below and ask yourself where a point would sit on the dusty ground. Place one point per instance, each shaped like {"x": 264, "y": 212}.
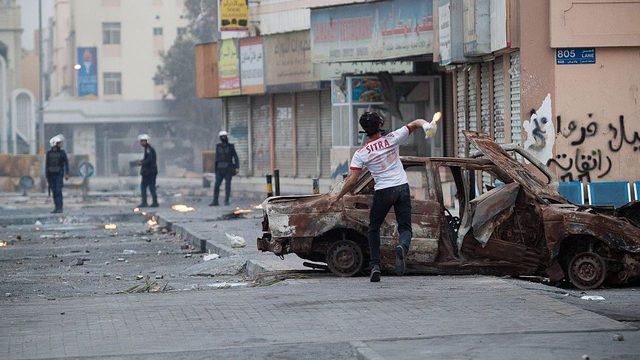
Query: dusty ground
{"x": 71, "y": 288}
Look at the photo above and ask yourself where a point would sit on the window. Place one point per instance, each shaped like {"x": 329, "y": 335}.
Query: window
{"x": 182, "y": 31}
{"x": 112, "y": 83}
{"x": 157, "y": 31}
{"x": 110, "y": 33}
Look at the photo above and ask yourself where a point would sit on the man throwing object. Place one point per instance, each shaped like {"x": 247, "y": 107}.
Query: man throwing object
{"x": 381, "y": 156}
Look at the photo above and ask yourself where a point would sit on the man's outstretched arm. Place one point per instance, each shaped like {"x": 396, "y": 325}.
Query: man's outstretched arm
{"x": 349, "y": 183}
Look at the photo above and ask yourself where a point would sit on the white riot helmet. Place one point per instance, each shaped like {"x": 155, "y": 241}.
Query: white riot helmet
{"x": 144, "y": 137}
{"x": 223, "y": 133}
{"x": 56, "y": 139}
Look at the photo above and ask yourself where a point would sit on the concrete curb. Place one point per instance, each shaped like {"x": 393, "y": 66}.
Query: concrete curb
{"x": 252, "y": 267}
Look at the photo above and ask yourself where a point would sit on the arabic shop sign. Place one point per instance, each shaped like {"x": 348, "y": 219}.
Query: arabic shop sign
{"x": 372, "y": 31}
{"x": 251, "y": 65}
{"x": 228, "y": 69}
{"x": 233, "y": 15}
{"x": 288, "y": 59}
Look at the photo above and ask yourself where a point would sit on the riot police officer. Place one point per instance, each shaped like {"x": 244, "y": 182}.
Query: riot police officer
{"x": 148, "y": 171}
{"x": 57, "y": 169}
{"x": 226, "y": 166}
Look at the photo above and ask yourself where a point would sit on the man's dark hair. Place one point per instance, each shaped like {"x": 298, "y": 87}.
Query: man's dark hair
{"x": 371, "y": 122}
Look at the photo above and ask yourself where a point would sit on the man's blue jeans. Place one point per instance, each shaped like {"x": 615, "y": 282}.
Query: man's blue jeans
{"x": 400, "y": 198}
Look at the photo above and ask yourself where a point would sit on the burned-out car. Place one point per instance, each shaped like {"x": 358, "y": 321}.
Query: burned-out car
{"x": 524, "y": 227}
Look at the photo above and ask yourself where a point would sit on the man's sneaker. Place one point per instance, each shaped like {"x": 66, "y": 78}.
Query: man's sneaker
{"x": 214, "y": 204}
{"x": 154, "y": 205}
{"x": 375, "y": 273}
{"x": 57, "y": 211}
{"x": 400, "y": 264}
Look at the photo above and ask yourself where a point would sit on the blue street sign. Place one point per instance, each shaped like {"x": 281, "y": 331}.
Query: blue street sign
{"x": 86, "y": 169}
{"x": 575, "y": 56}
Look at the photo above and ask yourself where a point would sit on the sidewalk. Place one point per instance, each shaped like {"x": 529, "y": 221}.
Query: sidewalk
{"x": 206, "y": 229}
{"x": 408, "y": 317}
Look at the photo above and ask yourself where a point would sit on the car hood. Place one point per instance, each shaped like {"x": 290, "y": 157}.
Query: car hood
{"x": 513, "y": 168}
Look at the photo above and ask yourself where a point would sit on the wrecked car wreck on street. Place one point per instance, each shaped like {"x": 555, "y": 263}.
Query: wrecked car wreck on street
{"x": 524, "y": 227}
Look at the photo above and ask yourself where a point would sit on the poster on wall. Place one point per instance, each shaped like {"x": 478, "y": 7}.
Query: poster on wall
{"x": 372, "y": 31}
{"x": 366, "y": 90}
{"x": 251, "y": 65}
{"x": 234, "y": 15}
{"x": 228, "y": 69}
{"x": 88, "y": 72}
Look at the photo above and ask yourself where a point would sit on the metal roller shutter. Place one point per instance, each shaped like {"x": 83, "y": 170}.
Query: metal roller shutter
{"x": 514, "y": 77}
{"x": 284, "y": 145}
{"x": 498, "y": 101}
{"x": 485, "y": 107}
{"x": 325, "y": 131}
{"x": 472, "y": 101}
{"x": 307, "y": 118}
{"x": 260, "y": 135}
{"x": 461, "y": 105}
{"x": 485, "y": 97}
{"x": 237, "y": 119}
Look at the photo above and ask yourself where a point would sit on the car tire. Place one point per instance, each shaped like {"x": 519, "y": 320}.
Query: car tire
{"x": 587, "y": 270}
{"x": 344, "y": 258}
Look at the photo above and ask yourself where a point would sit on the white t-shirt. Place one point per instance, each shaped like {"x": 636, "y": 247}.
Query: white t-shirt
{"x": 382, "y": 157}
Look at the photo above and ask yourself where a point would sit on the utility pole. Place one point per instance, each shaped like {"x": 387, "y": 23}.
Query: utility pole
{"x": 41, "y": 99}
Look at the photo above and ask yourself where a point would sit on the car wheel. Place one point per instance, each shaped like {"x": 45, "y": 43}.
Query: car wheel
{"x": 587, "y": 270}
{"x": 344, "y": 258}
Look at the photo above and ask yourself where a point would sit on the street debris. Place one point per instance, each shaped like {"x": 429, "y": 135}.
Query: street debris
{"x": 110, "y": 226}
{"x": 227, "y": 285}
{"x": 78, "y": 262}
{"x": 618, "y": 337}
{"x": 592, "y": 297}
{"x": 129, "y": 252}
{"x": 153, "y": 221}
{"x": 236, "y": 241}
{"x": 268, "y": 279}
{"x": 147, "y": 287}
{"x": 159, "y": 277}
{"x": 139, "y": 277}
{"x": 38, "y": 225}
{"x": 121, "y": 259}
{"x": 182, "y": 208}
{"x": 136, "y": 210}
{"x": 118, "y": 277}
{"x": 188, "y": 255}
{"x": 210, "y": 257}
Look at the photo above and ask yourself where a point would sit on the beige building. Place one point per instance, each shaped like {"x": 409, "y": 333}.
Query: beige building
{"x": 129, "y": 35}
{"x": 10, "y": 65}
{"x": 125, "y": 40}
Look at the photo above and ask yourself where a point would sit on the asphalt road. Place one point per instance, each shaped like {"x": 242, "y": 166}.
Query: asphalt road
{"x": 72, "y": 289}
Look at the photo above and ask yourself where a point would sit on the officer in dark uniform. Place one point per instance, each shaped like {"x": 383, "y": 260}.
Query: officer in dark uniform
{"x": 57, "y": 169}
{"x": 149, "y": 172}
{"x": 226, "y": 167}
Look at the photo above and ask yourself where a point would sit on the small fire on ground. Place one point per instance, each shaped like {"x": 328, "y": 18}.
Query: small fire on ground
{"x": 110, "y": 226}
{"x": 153, "y": 221}
{"x": 3, "y": 243}
{"x": 239, "y": 211}
{"x": 182, "y": 208}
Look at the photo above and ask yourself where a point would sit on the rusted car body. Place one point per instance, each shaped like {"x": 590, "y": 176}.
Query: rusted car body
{"x": 522, "y": 228}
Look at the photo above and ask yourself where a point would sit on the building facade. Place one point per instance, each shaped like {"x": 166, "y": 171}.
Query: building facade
{"x": 105, "y": 57}
{"x": 560, "y": 83}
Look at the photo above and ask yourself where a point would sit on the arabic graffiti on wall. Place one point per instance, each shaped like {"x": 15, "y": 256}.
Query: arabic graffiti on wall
{"x": 540, "y": 132}
{"x": 587, "y": 158}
